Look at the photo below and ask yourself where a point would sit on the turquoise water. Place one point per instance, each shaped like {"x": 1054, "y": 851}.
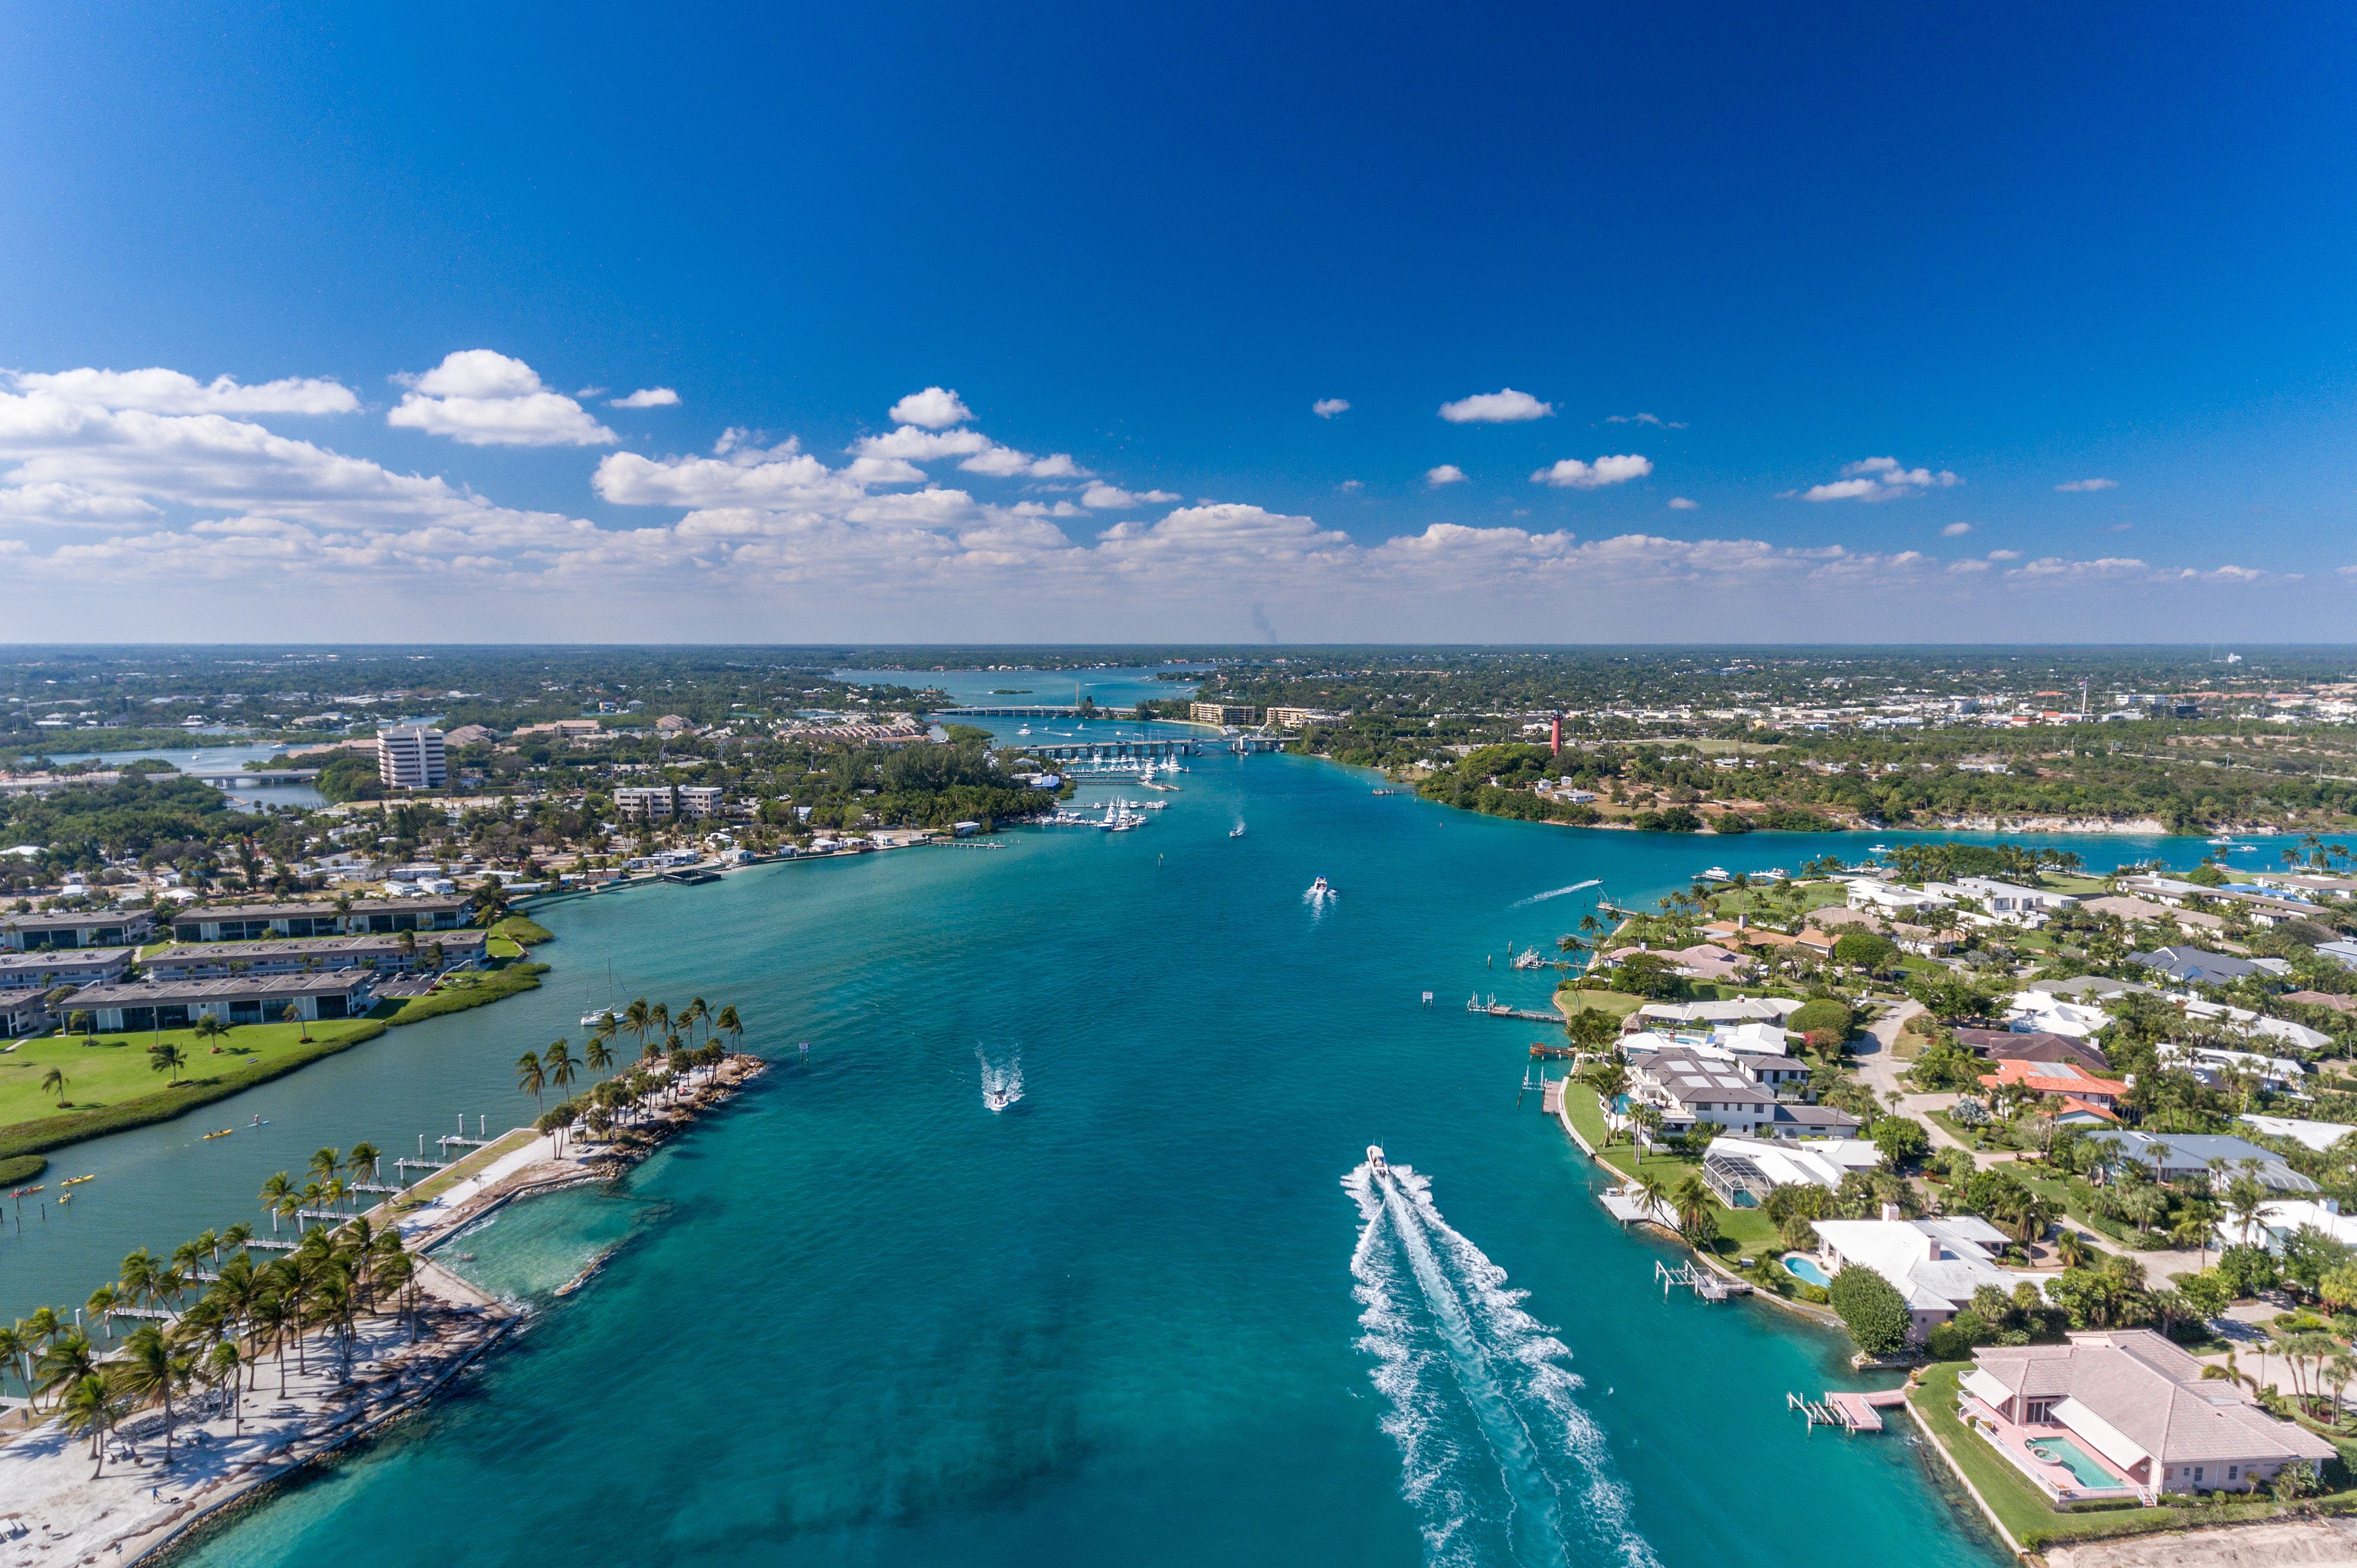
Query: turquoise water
{"x": 1807, "y": 1269}
{"x": 1154, "y": 1312}
{"x": 2082, "y": 1465}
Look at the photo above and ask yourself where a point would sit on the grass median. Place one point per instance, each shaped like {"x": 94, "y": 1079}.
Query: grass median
{"x": 474, "y": 989}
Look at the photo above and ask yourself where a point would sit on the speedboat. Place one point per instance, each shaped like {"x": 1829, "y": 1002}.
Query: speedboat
{"x": 1877, "y": 848}
{"x": 1025, "y": 730}
{"x": 998, "y": 1098}
{"x": 1320, "y": 889}
{"x": 1237, "y": 832}
{"x": 1713, "y": 874}
{"x": 2223, "y": 838}
{"x": 1375, "y": 1165}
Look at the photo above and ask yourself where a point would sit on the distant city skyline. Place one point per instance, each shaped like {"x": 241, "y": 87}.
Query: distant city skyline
{"x": 1711, "y": 326}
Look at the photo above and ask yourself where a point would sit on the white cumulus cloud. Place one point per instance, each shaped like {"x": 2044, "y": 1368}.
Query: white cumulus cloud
{"x": 2077, "y": 487}
{"x": 1683, "y": 503}
{"x": 156, "y": 390}
{"x": 1446, "y": 474}
{"x": 1956, "y": 529}
{"x": 645, "y": 397}
{"x": 1878, "y": 479}
{"x": 480, "y": 397}
{"x": 1327, "y": 407}
{"x": 935, "y": 408}
{"x": 1112, "y": 497}
{"x": 1504, "y": 407}
{"x": 1571, "y": 474}
{"x": 1653, "y": 419}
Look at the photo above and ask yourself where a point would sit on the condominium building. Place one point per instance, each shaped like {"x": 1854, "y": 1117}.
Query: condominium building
{"x": 1220, "y": 712}
{"x": 410, "y": 757}
{"x": 636, "y": 803}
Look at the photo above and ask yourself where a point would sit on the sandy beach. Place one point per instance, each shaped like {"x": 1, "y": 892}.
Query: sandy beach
{"x": 57, "y": 1512}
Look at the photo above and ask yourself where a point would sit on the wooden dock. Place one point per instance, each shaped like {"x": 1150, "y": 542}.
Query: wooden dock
{"x": 1851, "y": 1410}
{"x": 1706, "y": 1284}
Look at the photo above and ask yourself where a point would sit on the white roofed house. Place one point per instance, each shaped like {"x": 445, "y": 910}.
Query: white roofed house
{"x": 1688, "y": 1088}
{"x": 2124, "y": 1412}
{"x": 1934, "y": 1264}
{"x": 2043, "y": 1013}
{"x": 1743, "y": 1171}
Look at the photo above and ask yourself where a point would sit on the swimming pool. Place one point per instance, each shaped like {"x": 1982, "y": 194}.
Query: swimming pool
{"x": 1806, "y": 1270}
{"x": 2071, "y": 1456}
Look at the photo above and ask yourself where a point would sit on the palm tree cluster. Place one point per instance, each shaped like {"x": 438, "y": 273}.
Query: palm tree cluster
{"x": 666, "y": 1063}
{"x": 220, "y": 1314}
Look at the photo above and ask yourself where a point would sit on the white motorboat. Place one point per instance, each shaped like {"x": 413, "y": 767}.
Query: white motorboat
{"x": 1375, "y": 1165}
{"x": 998, "y": 1098}
{"x": 1320, "y": 890}
{"x": 1877, "y": 848}
{"x": 1713, "y": 874}
{"x": 1237, "y": 832}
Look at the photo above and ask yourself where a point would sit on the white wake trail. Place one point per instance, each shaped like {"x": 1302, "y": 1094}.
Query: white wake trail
{"x": 1002, "y": 1081}
{"x": 1554, "y": 892}
{"x": 1501, "y": 1460}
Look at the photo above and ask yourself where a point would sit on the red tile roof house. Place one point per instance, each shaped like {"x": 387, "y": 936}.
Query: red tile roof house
{"x": 2075, "y": 1086}
{"x": 2125, "y": 1412}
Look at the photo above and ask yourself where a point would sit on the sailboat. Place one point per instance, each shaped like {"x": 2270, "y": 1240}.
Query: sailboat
{"x": 597, "y": 1016}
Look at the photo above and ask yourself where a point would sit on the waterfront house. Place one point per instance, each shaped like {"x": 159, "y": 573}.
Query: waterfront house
{"x": 1740, "y": 1010}
{"x": 254, "y": 922}
{"x": 2064, "y": 1081}
{"x": 44, "y": 969}
{"x": 134, "y": 1006}
{"x": 2241, "y": 1020}
{"x": 2032, "y": 1046}
{"x": 1890, "y": 898}
{"x": 1687, "y": 1088}
{"x": 1704, "y": 961}
{"x": 2316, "y": 1135}
{"x": 1743, "y": 1171}
{"x": 1795, "y": 1120}
{"x": 2125, "y": 1412}
{"x": 461, "y": 949}
{"x": 102, "y": 929}
{"x": 1934, "y": 1264}
{"x": 2188, "y": 1156}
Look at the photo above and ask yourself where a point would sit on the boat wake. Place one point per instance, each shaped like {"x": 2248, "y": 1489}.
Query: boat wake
{"x": 1500, "y": 1460}
{"x": 1002, "y": 1081}
{"x": 1554, "y": 893}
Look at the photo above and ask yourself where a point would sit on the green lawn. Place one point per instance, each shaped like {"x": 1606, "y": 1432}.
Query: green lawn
{"x": 110, "y": 1083}
{"x": 2024, "y": 1510}
{"x": 1619, "y": 1004}
{"x": 522, "y": 929}
{"x": 1743, "y": 1233}
{"x": 1730, "y": 902}
{"x": 470, "y": 989}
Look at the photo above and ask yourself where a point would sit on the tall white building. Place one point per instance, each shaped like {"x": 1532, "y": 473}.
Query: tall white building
{"x": 410, "y": 757}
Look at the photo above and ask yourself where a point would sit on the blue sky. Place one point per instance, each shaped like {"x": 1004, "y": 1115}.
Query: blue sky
{"x": 1927, "y": 265}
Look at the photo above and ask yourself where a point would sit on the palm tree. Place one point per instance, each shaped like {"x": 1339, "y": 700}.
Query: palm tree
{"x": 325, "y": 1163}
{"x": 1692, "y": 1200}
{"x": 361, "y": 1161}
{"x": 531, "y": 1078}
{"x": 268, "y": 1317}
{"x": 638, "y": 1018}
{"x": 658, "y": 1020}
{"x": 730, "y": 1025}
{"x": 1652, "y": 1194}
{"x": 293, "y": 1014}
{"x": 274, "y": 1192}
{"x": 53, "y": 1084}
{"x": 599, "y": 1056}
{"x": 222, "y": 1368}
{"x": 558, "y": 1063}
{"x": 146, "y": 1368}
{"x": 90, "y": 1408}
{"x": 100, "y": 1307}
{"x": 138, "y": 1280}
{"x": 694, "y": 1014}
{"x": 166, "y": 1057}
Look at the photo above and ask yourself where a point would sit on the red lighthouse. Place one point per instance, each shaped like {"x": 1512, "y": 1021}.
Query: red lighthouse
{"x": 1554, "y": 736}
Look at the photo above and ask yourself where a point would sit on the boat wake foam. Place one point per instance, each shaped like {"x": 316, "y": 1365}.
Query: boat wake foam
{"x": 1002, "y": 1081}
{"x": 1500, "y": 1460}
{"x": 1554, "y": 892}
